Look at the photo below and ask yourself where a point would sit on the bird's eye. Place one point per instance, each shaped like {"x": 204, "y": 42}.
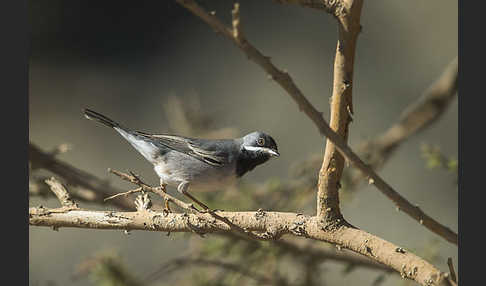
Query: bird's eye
{"x": 261, "y": 141}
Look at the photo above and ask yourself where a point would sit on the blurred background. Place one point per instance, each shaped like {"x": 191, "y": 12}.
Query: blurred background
{"x": 157, "y": 68}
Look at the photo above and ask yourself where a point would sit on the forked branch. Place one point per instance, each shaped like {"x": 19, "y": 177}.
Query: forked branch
{"x": 286, "y": 82}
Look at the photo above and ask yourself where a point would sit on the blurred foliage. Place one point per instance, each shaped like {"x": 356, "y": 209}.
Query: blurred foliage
{"x": 436, "y": 159}
{"x": 107, "y": 269}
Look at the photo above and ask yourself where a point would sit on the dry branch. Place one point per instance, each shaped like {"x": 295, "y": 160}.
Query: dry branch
{"x": 318, "y": 254}
{"x": 286, "y": 82}
{"x": 61, "y": 193}
{"x": 274, "y": 223}
{"x": 341, "y": 111}
{"x": 277, "y": 223}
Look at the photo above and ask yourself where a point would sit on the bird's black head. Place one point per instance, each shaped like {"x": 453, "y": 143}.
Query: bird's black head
{"x": 261, "y": 143}
{"x": 256, "y": 149}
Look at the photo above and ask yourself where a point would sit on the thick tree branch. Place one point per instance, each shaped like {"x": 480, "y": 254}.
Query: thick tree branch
{"x": 274, "y": 223}
{"x": 416, "y": 117}
{"x": 318, "y": 254}
{"x": 286, "y": 82}
{"x": 341, "y": 111}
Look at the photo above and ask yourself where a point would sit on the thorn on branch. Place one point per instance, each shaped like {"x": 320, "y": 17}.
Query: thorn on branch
{"x": 400, "y": 250}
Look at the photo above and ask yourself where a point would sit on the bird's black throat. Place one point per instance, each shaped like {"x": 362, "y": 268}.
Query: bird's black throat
{"x": 247, "y": 161}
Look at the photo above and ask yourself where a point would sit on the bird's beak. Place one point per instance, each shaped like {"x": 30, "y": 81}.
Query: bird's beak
{"x": 273, "y": 153}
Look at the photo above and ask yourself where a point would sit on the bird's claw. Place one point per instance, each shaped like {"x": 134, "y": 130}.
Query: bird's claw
{"x": 167, "y": 209}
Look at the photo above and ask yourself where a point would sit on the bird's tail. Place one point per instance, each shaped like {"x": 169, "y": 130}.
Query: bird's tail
{"x": 93, "y": 115}
{"x": 143, "y": 145}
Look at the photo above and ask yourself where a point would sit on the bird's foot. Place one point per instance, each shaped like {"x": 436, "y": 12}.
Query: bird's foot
{"x": 167, "y": 209}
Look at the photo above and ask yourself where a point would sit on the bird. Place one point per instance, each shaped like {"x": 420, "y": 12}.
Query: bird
{"x": 185, "y": 162}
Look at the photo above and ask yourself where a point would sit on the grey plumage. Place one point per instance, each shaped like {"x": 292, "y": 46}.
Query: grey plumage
{"x": 183, "y": 161}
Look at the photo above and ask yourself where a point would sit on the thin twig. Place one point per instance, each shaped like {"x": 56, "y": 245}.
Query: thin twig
{"x": 132, "y": 178}
{"x": 286, "y": 82}
{"x": 451, "y": 269}
{"x": 123, "y": 194}
{"x": 61, "y": 193}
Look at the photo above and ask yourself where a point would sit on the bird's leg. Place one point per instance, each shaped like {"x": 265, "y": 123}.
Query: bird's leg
{"x": 182, "y": 188}
{"x": 166, "y": 202}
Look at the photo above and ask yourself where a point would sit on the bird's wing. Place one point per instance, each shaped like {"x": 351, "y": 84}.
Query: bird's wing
{"x": 203, "y": 150}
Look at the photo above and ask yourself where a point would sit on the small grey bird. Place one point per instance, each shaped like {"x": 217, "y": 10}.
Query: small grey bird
{"x": 199, "y": 163}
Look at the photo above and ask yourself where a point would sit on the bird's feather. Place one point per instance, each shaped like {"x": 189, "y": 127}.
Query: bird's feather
{"x": 207, "y": 151}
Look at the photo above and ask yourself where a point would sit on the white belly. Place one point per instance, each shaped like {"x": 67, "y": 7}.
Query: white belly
{"x": 173, "y": 171}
